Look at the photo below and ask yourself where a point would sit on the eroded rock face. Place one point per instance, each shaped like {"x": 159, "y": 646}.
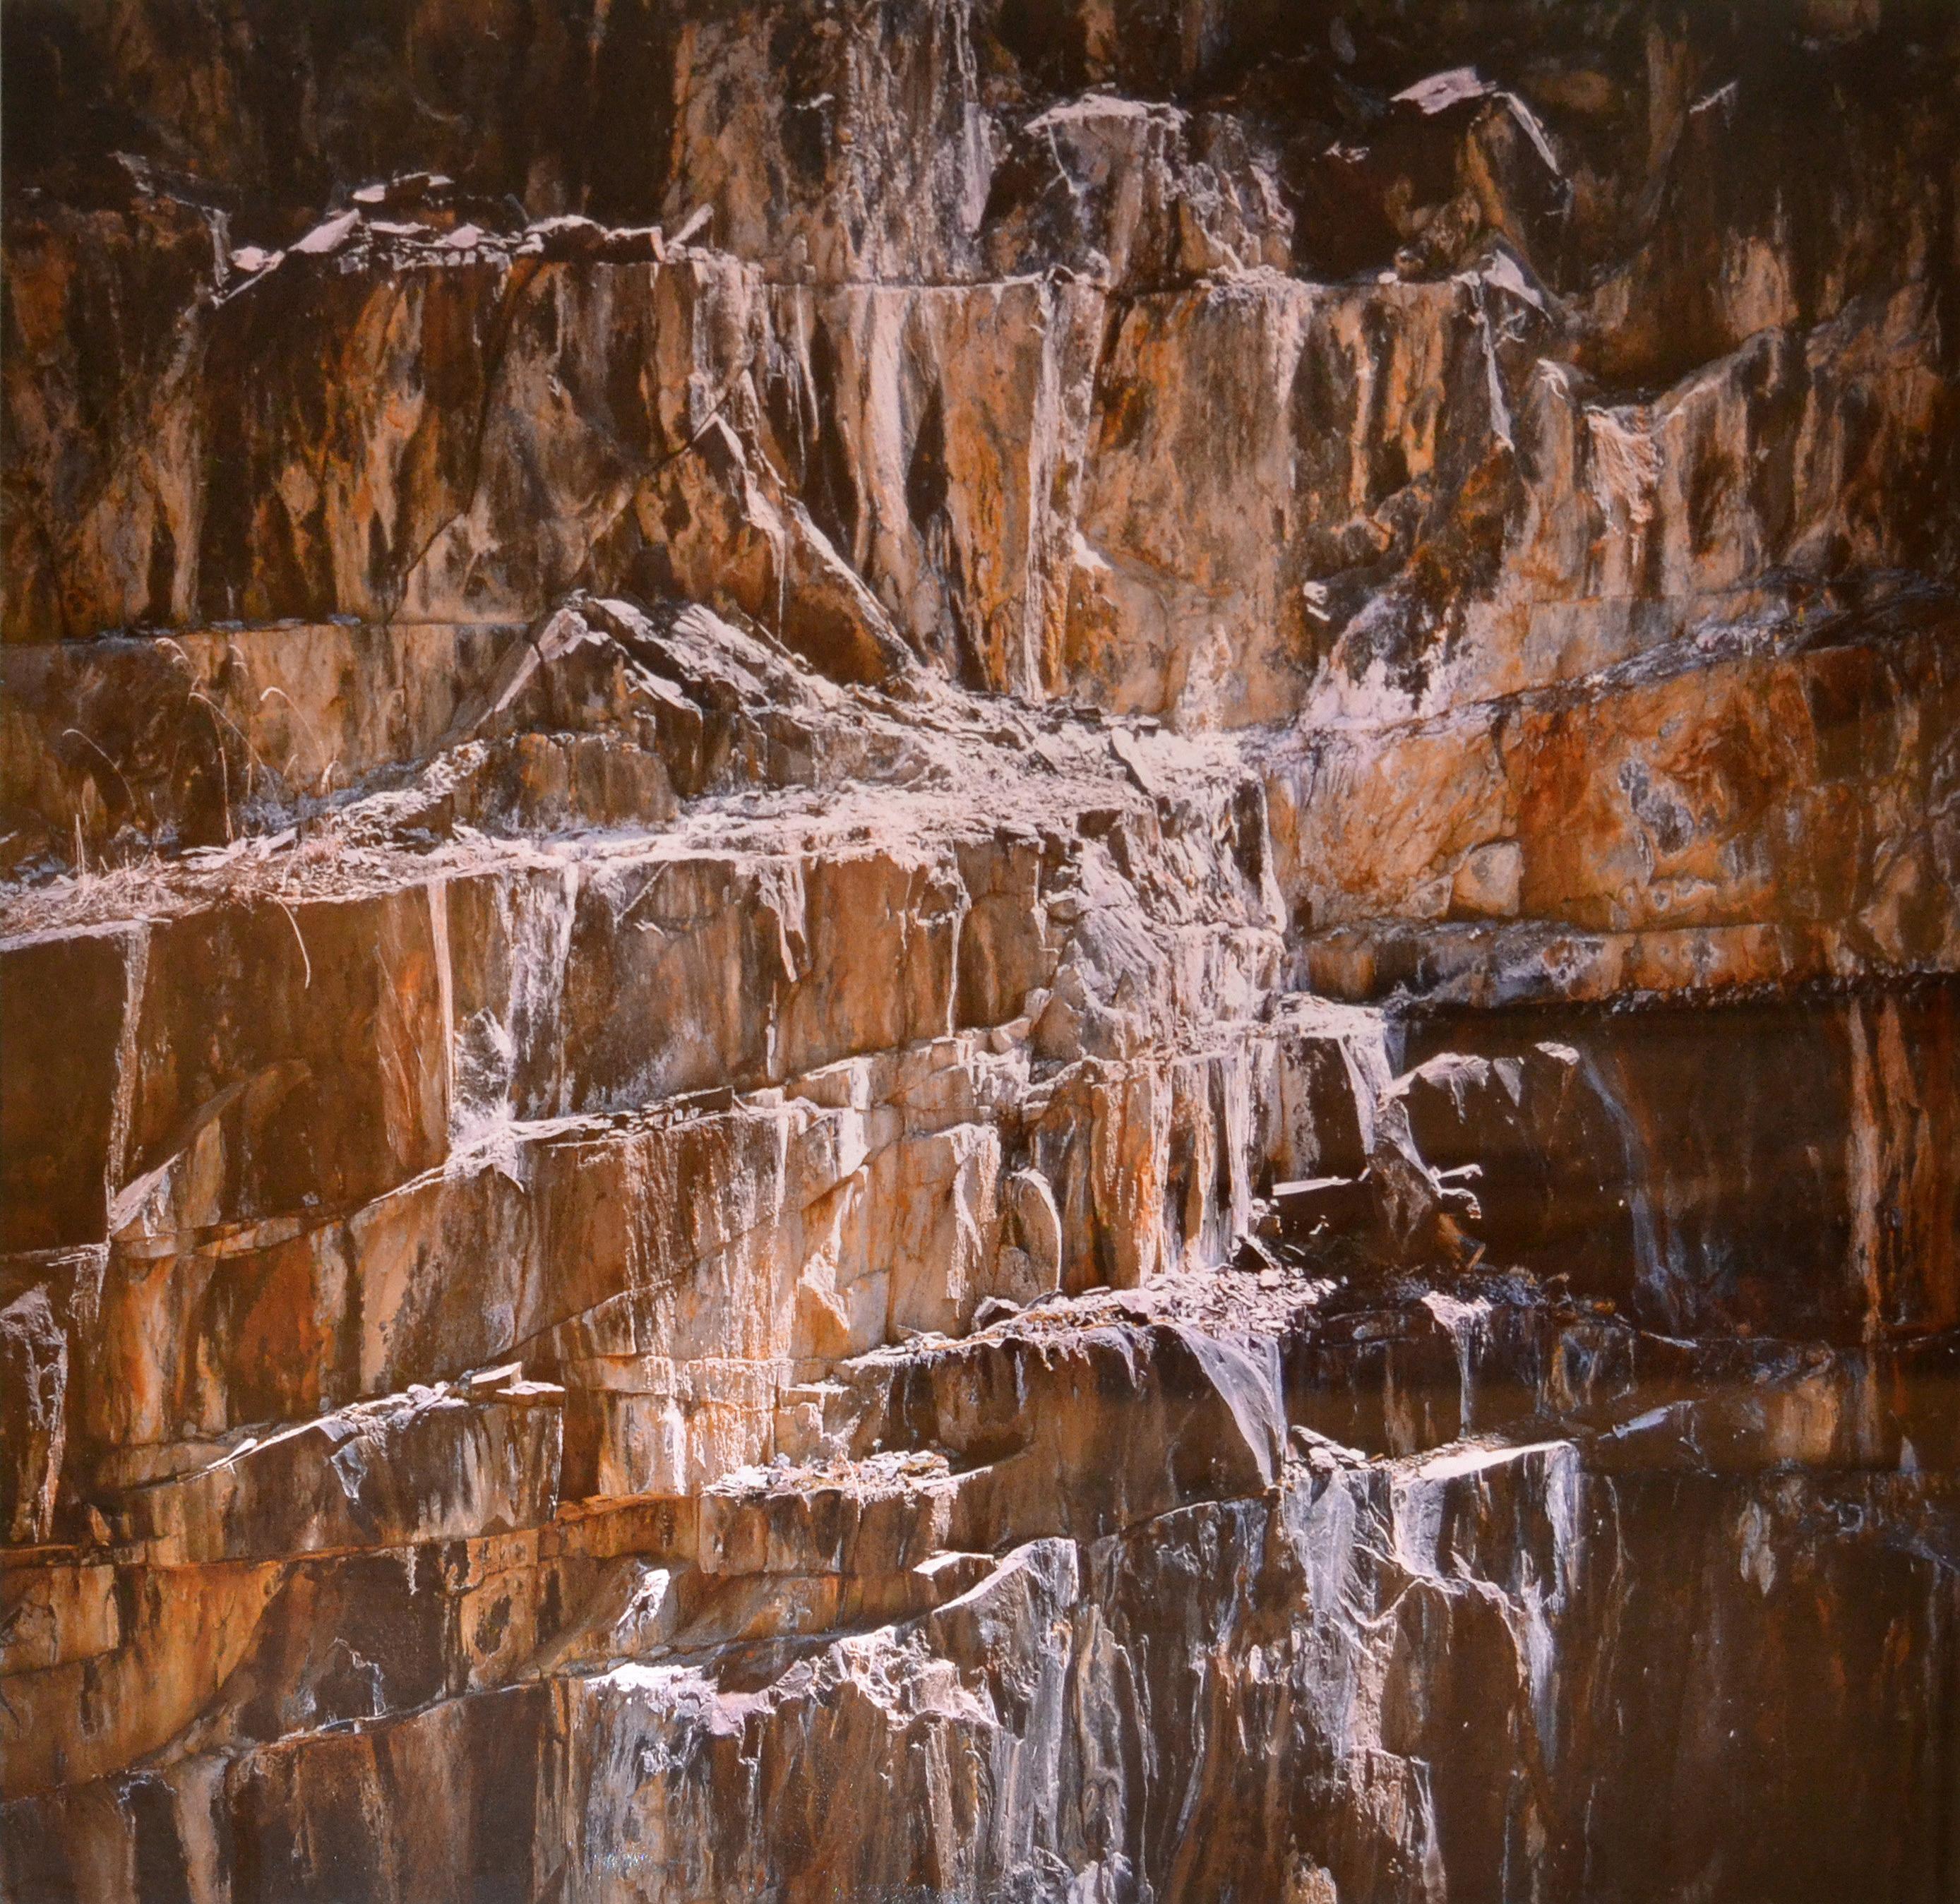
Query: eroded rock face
{"x": 955, "y": 951}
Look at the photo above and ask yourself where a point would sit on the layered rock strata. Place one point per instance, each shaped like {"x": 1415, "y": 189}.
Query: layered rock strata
{"x": 951, "y": 952}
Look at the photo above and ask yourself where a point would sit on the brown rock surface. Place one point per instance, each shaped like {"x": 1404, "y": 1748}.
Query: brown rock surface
{"x": 955, "y": 951}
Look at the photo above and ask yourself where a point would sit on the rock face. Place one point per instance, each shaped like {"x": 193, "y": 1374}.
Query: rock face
{"x": 957, "y": 951}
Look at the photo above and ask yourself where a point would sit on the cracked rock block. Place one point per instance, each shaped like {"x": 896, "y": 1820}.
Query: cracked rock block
{"x": 1550, "y": 1178}
{"x": 35, "y": 1349}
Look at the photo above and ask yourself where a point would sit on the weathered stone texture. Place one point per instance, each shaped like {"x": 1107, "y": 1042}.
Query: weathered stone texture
{"x": 958, "y": 950}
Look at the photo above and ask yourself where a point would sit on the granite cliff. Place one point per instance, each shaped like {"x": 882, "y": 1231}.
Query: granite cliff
{"x": 955, "y": 951}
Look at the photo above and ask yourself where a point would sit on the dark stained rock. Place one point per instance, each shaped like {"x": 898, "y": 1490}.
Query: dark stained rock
{"x": 65, "y": 1002}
